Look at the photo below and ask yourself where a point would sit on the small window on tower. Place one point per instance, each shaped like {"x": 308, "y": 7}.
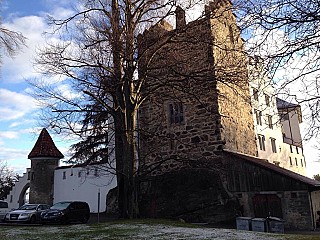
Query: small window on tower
{"x": 176, "y": 113}
{"x": 64, "y": 175}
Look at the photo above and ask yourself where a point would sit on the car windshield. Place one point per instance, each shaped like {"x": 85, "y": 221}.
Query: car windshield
{"x": 28, "y": 207}
{"x": 61, "y": 205}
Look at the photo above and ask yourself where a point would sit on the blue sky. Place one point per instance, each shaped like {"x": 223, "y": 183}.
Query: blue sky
{"x": 19, "y": 126}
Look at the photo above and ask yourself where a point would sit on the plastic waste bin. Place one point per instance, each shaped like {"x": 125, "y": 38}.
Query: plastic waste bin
{"x": 244, "y": 223}
{"x": 275, "y": 225}
{"x": 258, "y": 224}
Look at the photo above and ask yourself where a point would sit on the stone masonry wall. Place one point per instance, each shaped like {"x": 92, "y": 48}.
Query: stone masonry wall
{"x": 181, "y": 70}
{"x": 297, "y": 210}
{"x": 230, "y": 69}
{"x": 41, "y": 182}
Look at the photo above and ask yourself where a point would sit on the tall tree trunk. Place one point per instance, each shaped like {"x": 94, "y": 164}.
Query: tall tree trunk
{"x": 125, "y": 160}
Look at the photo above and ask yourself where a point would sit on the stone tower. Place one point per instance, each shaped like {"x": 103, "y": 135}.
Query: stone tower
{"x": 44, "y": 159}
{"x": 198, "y": 101}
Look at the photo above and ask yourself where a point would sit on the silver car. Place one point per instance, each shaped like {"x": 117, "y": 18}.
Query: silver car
{"x": 26, "y": 213}
{"x": 4, "y": 209}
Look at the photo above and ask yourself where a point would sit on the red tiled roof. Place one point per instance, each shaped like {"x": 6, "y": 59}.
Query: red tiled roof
{"x": 45, "y": 147}
{"x": 264, "y": 163}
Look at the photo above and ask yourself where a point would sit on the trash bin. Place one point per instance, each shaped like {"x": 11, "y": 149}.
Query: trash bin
{"x": 275, "y": 225}
{"x": 244, "y": 223}
{"x": 258, "y": 225}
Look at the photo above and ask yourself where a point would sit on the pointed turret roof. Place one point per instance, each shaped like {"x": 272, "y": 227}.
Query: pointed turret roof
{"x": 45, "y": 147}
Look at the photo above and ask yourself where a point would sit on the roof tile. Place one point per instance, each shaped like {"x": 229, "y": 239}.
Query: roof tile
{"x": 45, "y": 147}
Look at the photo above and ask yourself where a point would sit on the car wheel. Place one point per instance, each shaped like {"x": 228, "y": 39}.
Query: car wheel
{"x": 64, "y": 220}
{"x": 32, "y": 219}
{"x": 85, "y": 219}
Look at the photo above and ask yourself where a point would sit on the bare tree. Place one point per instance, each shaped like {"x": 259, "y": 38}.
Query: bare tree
{"x": 284, "y": 34}
{"x": 10, "y": 41}
{"x": 97, "y": 55}
{"x": 7, "y": 179}
{"x": 99, "y": 91}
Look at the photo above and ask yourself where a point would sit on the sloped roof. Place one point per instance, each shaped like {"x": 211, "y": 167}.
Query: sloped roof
{"x": 45, "y": 147}
{"x": 265, "y": 164}
{"x": 282, "y": 104}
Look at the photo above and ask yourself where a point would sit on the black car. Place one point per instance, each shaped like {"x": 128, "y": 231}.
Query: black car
{"x": 26, "y": 213}
{"x": 66, "y": 212}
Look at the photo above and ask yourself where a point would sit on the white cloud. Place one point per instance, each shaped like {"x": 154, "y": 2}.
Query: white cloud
{"x": 15, "y": 158}
{"x": 15, "y": 105}
{"x": 21, "y": 67}
{"x": 18, "y": 69}
{"x": 9, "y": 134}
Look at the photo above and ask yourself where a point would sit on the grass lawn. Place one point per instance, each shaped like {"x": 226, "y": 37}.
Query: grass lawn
{"x": 137, "y": 229}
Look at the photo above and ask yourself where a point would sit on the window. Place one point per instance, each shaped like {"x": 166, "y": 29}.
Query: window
{"x": 284, "y": 116}
{"x": 255, "y": 94}
{"x": 261, "y": 142}
{"x": 270, "y": 125}
{"x": 79, "y": 174}
{"x": 267, "y": 98}
{"x": 301, "y": 162}
{"x": 176, "y": 113}
{"x": 64, "y": 175}
{"x": 273, "y": 145}
{"x": 296, "y": 161}
{"x": 258, "y": 116}
{"x": 297, "y": 150}
{"x": 291, "y": 149}
{"x": 290, "y": 161}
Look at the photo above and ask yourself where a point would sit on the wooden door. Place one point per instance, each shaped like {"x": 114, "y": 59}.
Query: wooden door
{"x": 266, "y": 205}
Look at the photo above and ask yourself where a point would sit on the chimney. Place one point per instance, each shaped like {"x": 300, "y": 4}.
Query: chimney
{"x": 180, "y": 18}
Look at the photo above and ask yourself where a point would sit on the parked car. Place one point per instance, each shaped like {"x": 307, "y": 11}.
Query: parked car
{"x": 26, "y": 213}
{"x": 66, "y": 212}
{"x": 4, "y": 209}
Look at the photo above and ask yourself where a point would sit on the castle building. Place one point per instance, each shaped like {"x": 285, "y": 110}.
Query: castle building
{"x": 276, "y": 123}
{"x": 212, "y": 145}
{"x": 202, "y": 103}
{"x": 200, "y": 154}
{"x": 48, "y": 182}
{"x": 44, "y": 159}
